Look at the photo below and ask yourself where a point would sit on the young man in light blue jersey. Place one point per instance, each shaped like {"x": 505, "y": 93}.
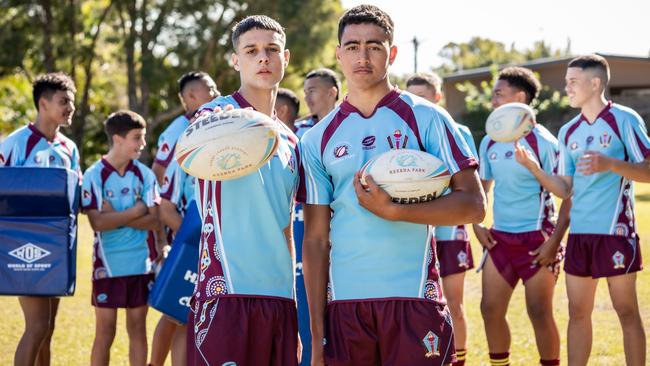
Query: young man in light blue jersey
{"x": 243, "y": 311}
{"x": 195, "y": 88}
{"x": 41, "y": 144}
{"x": 602, "y": 152}
{"x": 369, "y": 264}
{"x": 452, "y": 242}
{"x": 524, "y": 241}
{"x": 120, "y": 195}
{"x": 322, "y": 88}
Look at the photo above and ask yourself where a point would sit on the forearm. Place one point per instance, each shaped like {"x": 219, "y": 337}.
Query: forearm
{"x": 638, "y": 172}
{"x": 169, "y": 216}
{"x": 149, "y": 221}
{"x": 104, "y": 221}
{"x": 563, "y": 221}
{"x": 315, "y": 263}
{"x": 552, "y": 183}
{"x": 457, "y": 208}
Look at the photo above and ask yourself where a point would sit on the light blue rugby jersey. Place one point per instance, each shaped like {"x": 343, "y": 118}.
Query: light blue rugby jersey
{"x": 520, "y": 204}
{"x": 167, "y": 139}
{"x": 243, "y": 247}
{"x": 371, "y": 257}
{"x": 123, "y": 251}
{"x": 448, "y": 233}
{"x": 603, "y": 203}
{"x": 178, "y": 187}
{"x": 27, "y": 146}
{"x": 304, "y": 126}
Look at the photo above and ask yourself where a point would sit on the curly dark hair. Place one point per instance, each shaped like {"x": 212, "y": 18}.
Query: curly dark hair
{"x": 48, "y": 84}
{"x": 364, "y": 14}
{"x": 523, "y": 79}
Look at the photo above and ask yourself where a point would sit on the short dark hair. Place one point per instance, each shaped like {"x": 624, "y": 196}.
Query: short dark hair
{"x": 363, "y": 14}
{"x": 121, "y": 122}
{"x": 430, "y": 80}
{"x": 255, "y": 22}
{"x": 327, "y": 75}
{"x": 523, "y": 79}
{"x": 596, "y": 62}
{"x": 189, "y": 77}
{"x": 48, "y": 84}
{"x": 291, "y": 99}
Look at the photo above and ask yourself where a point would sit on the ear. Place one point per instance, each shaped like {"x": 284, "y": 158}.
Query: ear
{"x": 437, "y": 98}
{"x": 287, "y": 55}
{"x": 521, "y": 97}
{"x": 338, "y": 53}
{"x": 235, "y": 61}
{"x": 332, "y": 92}
{"x": 392, "y": 54}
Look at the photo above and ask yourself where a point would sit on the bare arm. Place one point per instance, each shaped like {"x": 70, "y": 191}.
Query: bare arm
{"x": 108, "y": 219}
{"x": 159, "y": 172}
{"x": 465, "y": 204}
{"x": 315, "y": 263}
{"x": 149, "y": 221}
{"x": 169, "y": 215}
{"x": 483, "y": 233}
{"x": 546, "y": 254}
{"x": 594, "y": 162}
{"x": 552, "y": 183}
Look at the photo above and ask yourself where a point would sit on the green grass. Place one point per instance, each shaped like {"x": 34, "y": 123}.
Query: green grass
{"x": 75, "y": 323}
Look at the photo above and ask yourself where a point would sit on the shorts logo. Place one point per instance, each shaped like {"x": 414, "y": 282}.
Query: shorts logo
{"x": 102, "y": 297}
{"x": 341, "y": 151}
{"x": 509, "y": 154}
{"x": 574, "y": 145}
{"x": 462, "y": 259}
{"x": 368, "y": 142}
{"x": 493, "y": 156}
{"x": 432, "y": 344}
{"x": 229, "y": 363}
{"x": 605, "y": 140}
{"x": 29, "y": 253}
{"x": 619, "y": 260}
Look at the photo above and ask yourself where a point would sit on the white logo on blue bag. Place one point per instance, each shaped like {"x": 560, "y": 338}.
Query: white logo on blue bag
{"x": 29, "y": 253}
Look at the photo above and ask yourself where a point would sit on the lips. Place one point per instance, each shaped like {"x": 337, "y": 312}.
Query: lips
{"x": 362, "y": 70}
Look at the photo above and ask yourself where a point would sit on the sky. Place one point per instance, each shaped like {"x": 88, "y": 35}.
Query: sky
{"x": 618, "y": 27}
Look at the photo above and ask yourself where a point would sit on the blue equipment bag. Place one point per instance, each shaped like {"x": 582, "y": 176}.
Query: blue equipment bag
{"x": 38, "y": 231}
{"x": 174, "y": 285}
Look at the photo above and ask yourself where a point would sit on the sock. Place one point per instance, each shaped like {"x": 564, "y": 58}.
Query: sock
{"x": 554, "y": 362}
{"x": 460, "y": 357}
{"x": 500, "y": 359}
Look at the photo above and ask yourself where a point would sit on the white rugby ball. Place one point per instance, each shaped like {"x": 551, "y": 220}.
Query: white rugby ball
{"x": 510, "y": 122}
{"x": 408, "y": 176}
{"x": 227, "y": 145}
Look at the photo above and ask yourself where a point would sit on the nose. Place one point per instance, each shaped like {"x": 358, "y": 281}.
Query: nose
{"x": 264, "y": 58}
{"x": 364, "y": 58}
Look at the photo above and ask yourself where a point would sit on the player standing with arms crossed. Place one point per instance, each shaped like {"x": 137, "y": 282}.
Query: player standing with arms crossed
{"x": 244, "y": 309}
{"x": 41, "y": 144}
{"x": 452, "y": 242}
{"x": 382, "y": 302}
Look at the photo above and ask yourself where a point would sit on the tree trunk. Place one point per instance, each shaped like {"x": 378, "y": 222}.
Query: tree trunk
{"x": 47, "y": 21}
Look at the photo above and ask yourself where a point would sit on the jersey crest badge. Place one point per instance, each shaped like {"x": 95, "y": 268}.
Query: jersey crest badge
{"x": 605, "y": 140}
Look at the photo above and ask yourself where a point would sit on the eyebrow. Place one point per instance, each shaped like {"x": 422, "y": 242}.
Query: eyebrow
{"x": 370, "y": 41}
{"x": 253, "y": 45}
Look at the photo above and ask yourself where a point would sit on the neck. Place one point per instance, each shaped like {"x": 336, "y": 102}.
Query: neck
{"x": 366, "y": 99}
{"x": 117, "y": 161}
{"x": 322, "y": 115}
{"x": 592, "y": 108}
{"x": 47, "y": 128}
{"x": 263, "y": 100}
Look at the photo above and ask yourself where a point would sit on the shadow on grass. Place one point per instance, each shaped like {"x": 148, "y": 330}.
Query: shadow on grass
{"x": 643, "y": 197}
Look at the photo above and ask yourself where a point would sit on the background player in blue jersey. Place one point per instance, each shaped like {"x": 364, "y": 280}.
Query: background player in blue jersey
{"x": 243, "y": 309}
{"x": 382, "y": 303}
{"x": 195, "y": 88}
{"x": 322, "y": 88}
{"x": 452, "y": 242}
{"x": 120, "y": 195}
{"x": 287, "y": 107}
{"x": 41, "y": 144}
{"x": 602, "y": 151}
{"x": 524, "y": 240}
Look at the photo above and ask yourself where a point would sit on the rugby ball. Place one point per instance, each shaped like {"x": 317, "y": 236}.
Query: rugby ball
{"x": 510, "y": 122}
{"x": 227, "y": 145}
{"x": 408, "y": 176}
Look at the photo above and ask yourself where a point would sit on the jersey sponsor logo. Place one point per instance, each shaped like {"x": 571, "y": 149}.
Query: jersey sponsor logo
{"x": 493, "y": 156}
{"x": 574, "y": 145}
{"x": 125, "y": 191}
{"x": 589, "y": 140}
{"x": 341, "y": 151}
{"x": 509, "y": 154}
{"x": 37, "y": 159}
{"x": 431, "y": 342}
{"x": 368, "y": 142}
{"x": 29, "y": 253}
{"x": 52, "y": 158}
{"x": 619, "y": 260}
{"x": 605, "y": 140}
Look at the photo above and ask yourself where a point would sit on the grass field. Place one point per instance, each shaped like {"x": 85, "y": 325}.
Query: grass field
{"x": 75, "y": 323}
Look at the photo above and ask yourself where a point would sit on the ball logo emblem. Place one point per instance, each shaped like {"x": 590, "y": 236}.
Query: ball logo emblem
{"x": 406, "y": 161}
{"x": 229, "y": 161}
